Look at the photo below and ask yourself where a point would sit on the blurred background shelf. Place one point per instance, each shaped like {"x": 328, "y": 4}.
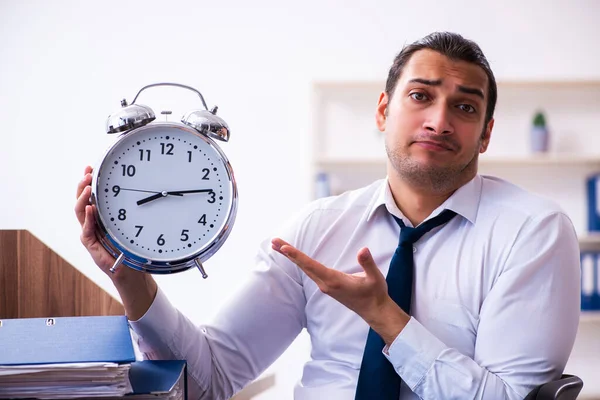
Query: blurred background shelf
{"x": 590, "y": 317}
{"x": 544, "y": 160}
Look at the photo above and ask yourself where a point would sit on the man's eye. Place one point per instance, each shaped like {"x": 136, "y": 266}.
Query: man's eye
{"x": 418, "y": 96}
{"x": 467, "y": 108}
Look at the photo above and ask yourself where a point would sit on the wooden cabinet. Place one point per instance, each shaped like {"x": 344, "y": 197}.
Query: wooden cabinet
{"x": 36, "y": 282}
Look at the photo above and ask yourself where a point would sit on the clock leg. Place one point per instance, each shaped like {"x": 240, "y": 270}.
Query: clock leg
{"x": 201, "y": 268}
{"x": 117, "y": 263}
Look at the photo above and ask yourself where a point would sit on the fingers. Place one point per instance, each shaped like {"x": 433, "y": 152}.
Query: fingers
{"x": 88, "y": 226}
{"x": 316, "y": 271}
{"x": 83, "y": 201}
{"x": 365, "y": 259}
{"x": 85, "y": 181}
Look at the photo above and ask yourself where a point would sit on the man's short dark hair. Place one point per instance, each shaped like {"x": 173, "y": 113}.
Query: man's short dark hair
{"x": 456, "y": 48}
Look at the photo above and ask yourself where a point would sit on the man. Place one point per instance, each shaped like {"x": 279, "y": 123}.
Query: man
{"x": 489, "y": 310}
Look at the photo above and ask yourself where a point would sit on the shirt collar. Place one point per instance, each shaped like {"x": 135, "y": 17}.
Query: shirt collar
{"x": 464, "y": 201}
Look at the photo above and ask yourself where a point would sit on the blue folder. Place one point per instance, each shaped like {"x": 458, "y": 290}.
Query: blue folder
{"x": 157, "y": 376}
{"x": 65, "y": 340}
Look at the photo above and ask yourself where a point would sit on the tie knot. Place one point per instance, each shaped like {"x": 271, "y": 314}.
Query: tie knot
{"x": 409, "y": 235}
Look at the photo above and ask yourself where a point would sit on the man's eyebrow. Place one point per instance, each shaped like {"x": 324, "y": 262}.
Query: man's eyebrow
{"x": 428, "y": 82}
{"x": 471, "y": 90}
{"x": 438, "y": 82}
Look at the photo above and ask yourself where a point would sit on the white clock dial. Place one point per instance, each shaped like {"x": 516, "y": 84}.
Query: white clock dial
{"x": 164, "y": 193}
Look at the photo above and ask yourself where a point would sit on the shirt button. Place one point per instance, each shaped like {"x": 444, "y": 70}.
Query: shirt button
{"x": 414, "y": 249}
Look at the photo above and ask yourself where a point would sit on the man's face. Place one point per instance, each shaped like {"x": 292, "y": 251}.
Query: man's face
{"x": 434, "y": 121}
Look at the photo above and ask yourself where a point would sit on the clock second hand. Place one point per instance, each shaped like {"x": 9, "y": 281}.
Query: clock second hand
{"x": 140, "y": 190}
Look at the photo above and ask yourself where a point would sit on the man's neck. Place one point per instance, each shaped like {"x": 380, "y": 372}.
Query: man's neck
{"x": 417, "y": 203}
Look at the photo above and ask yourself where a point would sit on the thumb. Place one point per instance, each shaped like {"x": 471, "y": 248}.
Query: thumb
{"x": 365, "y": 259}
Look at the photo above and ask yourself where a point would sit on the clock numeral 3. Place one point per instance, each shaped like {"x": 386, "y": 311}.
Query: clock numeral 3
{"x": 212, "y": 197}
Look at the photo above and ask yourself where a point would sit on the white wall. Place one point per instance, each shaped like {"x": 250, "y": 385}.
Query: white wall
{"x": 65, "y": 65}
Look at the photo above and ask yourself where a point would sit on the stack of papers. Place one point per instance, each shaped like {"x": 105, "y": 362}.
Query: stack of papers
{"x": 64, "y": 381}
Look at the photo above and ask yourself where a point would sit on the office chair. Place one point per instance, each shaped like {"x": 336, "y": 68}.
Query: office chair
{"x": 565, "y": 388}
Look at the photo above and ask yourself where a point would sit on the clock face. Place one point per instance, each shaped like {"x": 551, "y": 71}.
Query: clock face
{"x": 164, "y": 192}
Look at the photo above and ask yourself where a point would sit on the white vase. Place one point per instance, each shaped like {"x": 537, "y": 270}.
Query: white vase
{"x": 539, "y": 139}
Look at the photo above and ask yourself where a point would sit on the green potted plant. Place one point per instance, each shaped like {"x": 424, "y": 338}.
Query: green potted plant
{"x": 539, "y": 133}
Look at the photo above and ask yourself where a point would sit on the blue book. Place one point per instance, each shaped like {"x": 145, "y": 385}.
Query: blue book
{"x": 593, "y": 203}
{"x": 65, "y": 340}
{"x": 589, "y": 271}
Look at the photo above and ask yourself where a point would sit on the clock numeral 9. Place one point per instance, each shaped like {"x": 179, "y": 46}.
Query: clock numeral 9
{"x": 160, "y": 241}
{"x": 116, "y": 189}
{"x": 184, "y": 235}
{"x": 122, "y": 214}
{"x": 128, "y": 170}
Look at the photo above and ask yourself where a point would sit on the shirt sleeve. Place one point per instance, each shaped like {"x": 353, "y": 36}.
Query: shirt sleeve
{"x": 249, "y": 334}
{"x": 527, "y": 325}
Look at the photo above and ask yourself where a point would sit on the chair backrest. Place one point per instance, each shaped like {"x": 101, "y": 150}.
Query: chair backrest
{"x": 565, "y": 388}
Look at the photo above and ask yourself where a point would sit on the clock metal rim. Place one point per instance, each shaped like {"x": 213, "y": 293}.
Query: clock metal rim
{"x": 150, "y": 265}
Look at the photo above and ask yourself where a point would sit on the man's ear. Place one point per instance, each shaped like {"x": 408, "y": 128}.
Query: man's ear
{"x": 486, "y": 136}
{"x": 381, "y": 111}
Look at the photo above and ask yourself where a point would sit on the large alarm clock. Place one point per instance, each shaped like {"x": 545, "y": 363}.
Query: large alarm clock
{"x": 164, "y": 192}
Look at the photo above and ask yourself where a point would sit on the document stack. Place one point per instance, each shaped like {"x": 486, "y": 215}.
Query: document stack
{"x": 81, "y": 357}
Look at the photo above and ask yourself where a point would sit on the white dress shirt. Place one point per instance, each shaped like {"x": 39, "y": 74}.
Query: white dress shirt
{"x": 495, "y": 304}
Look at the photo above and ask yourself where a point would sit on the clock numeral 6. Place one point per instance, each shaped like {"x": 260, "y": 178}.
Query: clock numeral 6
{"x": 160, "y": 241}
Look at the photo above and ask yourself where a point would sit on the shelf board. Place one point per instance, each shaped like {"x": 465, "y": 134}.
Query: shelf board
{"x": 543, "y": 160}
{"x": 589, "y": 316}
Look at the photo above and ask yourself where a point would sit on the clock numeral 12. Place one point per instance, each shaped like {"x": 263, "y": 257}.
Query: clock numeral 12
{"x": 168, "y": 146}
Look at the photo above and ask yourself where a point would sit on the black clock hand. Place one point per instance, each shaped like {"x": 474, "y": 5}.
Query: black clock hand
{"x": 156, "y": 195}
{"x": 182, "y": 192}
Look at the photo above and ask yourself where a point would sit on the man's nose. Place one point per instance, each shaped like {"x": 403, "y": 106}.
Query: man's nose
{"x": 438, "y": 120}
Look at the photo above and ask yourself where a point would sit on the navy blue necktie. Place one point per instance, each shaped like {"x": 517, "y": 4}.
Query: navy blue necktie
{"x": 377, "y": 378}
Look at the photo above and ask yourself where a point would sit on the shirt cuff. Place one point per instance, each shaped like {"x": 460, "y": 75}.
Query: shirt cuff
{"x": 413, "y": 352}
{"x": 157, "y": 328}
